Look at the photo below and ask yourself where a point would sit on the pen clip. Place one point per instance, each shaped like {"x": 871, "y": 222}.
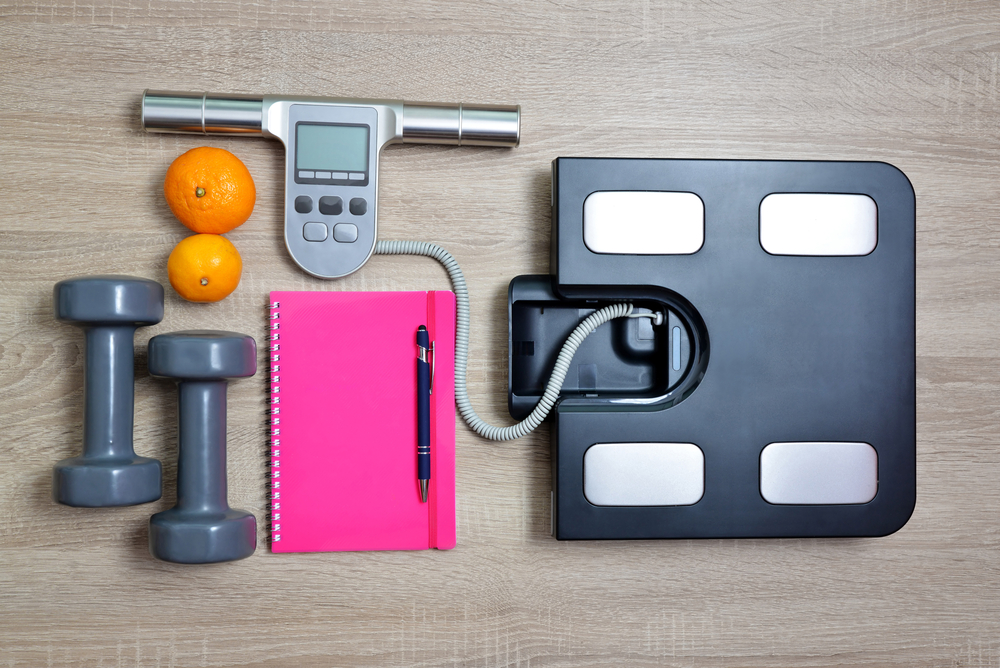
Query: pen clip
{"x": 434, "y": 359}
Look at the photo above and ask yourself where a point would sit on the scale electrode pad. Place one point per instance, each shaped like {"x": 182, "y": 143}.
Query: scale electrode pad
{"x": 332, "y": 147}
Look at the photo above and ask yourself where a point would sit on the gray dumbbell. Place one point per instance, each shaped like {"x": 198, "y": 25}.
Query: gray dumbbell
{"x": 202, "y": 528}
{"x": 109, "y": 309}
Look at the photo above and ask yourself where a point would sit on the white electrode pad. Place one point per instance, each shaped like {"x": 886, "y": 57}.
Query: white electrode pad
{"x": 643, "y": 474}
{"x": 643, "y": 223}
{"x": 818, "y": 473}
{"x": 818, "y": 224}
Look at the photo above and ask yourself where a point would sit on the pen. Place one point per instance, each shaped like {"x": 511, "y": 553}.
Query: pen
{"x": 423, "y": 412}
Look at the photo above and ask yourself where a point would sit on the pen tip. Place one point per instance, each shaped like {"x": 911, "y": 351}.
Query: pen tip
{"x": 423, "y": 491}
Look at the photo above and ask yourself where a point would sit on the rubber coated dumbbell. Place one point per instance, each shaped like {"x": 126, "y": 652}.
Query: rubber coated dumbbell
{"x": 109, "y": 309}
{"x": 202, "y": 528}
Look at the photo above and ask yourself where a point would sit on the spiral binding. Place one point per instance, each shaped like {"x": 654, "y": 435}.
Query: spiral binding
{"x": 274, "y": 422}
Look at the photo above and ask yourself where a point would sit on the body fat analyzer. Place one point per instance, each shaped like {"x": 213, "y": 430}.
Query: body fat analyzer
{"x": 332, "y": 147}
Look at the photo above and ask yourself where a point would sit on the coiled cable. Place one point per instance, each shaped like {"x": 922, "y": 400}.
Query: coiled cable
{"x": 548, "y": 400}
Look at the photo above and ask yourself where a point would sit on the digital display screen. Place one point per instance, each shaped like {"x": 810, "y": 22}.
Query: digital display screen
{"x": 332, "y": 148}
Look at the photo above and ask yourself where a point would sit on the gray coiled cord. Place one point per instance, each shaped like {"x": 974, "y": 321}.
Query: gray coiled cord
{"x": 468, "y": 413}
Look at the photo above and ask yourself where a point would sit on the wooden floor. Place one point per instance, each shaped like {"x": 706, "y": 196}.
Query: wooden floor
{"x": 912, "y": 82}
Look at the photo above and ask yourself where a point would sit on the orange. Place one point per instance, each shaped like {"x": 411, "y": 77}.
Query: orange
{"x": 204, "y": 268}
{"x": 210, "y": 190}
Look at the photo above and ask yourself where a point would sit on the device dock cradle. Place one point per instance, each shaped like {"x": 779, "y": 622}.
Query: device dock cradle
{"x": 777, "y": 397}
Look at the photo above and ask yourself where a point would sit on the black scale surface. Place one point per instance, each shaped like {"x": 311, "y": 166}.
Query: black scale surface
{"x": 798, "y": 348}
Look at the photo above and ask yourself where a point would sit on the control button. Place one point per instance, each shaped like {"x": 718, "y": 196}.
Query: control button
{"x": 345, "y": 233}
{"x": 331, "y": 205}
{"x": 359, "y": 206}
{"x": 303, "y": 204}
{"x": 356, "y": 177}
{"x": 322, "y": 175}
{"x": 314, "y": 231}
{"x": 307, "y": 175}
{"x": 339, "y": 176}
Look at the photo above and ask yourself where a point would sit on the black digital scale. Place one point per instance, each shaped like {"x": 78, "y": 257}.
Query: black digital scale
{"x": 778, "y": 396}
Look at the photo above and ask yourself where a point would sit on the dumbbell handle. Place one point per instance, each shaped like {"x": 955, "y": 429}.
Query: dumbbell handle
{"x": 108, "y": 391}
{"x": 201, "y": 463}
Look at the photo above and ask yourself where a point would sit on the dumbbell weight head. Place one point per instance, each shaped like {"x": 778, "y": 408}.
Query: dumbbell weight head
{"x": 202, "y": 528}
{"x": 108, "y": 309}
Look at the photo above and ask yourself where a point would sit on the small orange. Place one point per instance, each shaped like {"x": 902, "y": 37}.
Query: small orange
{"x": 204, "y": 268}
{"x": 210, "y": 190}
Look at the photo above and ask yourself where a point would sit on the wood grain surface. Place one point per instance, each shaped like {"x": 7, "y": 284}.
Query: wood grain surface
{"x": 911, "y": 82}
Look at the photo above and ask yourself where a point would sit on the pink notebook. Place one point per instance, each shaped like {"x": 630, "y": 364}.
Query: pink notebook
{"x": 344, "y": 421}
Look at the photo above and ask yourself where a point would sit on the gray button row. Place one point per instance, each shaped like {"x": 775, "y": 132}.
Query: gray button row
{"x": 336, "y": 176}
{"x": 344, "y": 233}
{"x": 331, "y": 205}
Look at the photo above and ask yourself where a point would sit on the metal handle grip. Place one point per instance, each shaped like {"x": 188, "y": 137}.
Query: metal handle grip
{"x": 201, "y": 113}
{"x": 461, "y": 124}
{"x": 423, "y": 122}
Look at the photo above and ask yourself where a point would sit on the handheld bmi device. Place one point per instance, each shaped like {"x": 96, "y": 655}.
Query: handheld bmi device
{"x": 332, "y": 147}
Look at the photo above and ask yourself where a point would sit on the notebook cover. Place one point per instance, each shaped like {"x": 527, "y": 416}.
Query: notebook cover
{"x": 344, "y": 470}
